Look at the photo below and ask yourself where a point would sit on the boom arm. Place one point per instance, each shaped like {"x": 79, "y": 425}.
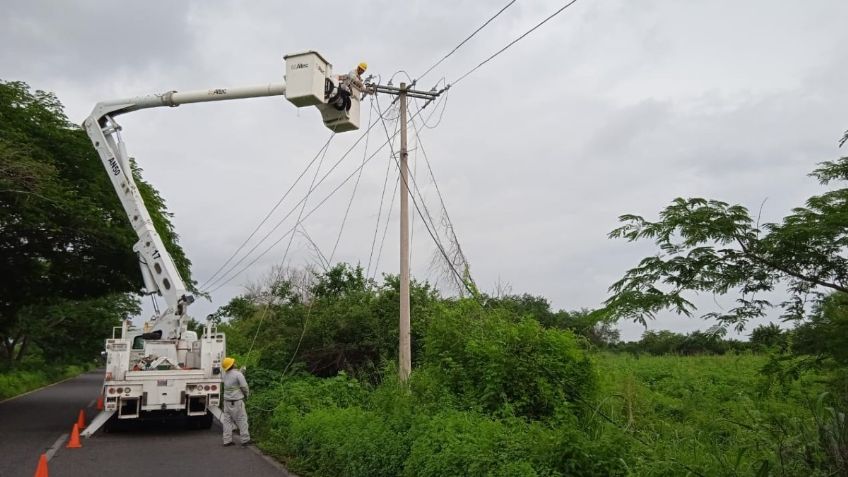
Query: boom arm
{"x": 157, "y": 267}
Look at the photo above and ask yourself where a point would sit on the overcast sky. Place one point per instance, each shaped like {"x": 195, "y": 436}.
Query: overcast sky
{"x": 613, "y": 107}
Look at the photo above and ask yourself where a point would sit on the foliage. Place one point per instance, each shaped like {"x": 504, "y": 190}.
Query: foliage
{"x": 497, "y": 391}
{"x": 345, "y": 323}
{"x": 396, "y": 430}
{"x": 669, "y": 415}
{"x": 524, "y": 306}
{"x": 825, "y": 334}
{"x": 832, "y": 432}
{"x": 709, "y": 415}
{"x": 662, "y": 342}
{"x": 714, "y": 247}
{"x": 769, "y": 336}
{"x": 62, "y": 231}
{"x": 593, "y": 325}
{"x": 19, "y": 380}
{"x": 503, "y": 365}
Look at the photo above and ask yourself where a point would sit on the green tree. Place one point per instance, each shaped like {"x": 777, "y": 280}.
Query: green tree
{"x": 714, "y": 247}
{"x": 65, "y": 241}
{"x": 593, "y": 325}
{"x": 769, "y": 336}
{"x": 524, "y": 306}
{"x": 344, "y": 322}
{"x": 824, "y": 334}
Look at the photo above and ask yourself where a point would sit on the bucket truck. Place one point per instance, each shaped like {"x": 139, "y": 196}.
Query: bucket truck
{"x": 163, "y": 369}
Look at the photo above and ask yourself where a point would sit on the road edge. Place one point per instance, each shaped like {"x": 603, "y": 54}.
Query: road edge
{"x": 274, "y": 462}
{"x": 256, "y": 450}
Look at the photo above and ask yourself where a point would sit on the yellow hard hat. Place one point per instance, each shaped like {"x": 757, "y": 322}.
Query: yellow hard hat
{"x": 363, "y": 66}
{"x": 228, "y": 363}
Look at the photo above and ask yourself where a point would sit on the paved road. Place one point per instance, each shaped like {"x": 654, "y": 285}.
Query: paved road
{"x": 34, "y": 423}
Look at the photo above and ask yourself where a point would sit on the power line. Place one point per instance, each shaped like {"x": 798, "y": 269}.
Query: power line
{"x": 322, "y": 259}
{"x": 302, "y": 201}
{"x": 433, "y": 177}
{"x": 270, "y": 212}
{"x": 380, "y": 207}
{"x": 303, "y": 207}
{"x": 465, "y": 40}
{"x": 443, "y": 102}
{"x": 353, "y": 194}
{"x": 277, "y": 225}
{"x": 386, "y": 228}
{"x": 450, "y": 226}
{"x": 394, "y": 194}
{"x": 423, "y": 219}
{"x": 572, "y": 2}
{"x": 336, "y": 189}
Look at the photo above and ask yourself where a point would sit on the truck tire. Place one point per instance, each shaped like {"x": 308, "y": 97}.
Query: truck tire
{"x": 199, "y": 422}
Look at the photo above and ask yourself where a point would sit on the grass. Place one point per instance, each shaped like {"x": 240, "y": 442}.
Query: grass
{"x": 712, "y": 415}
{"x": 14, "y": 382}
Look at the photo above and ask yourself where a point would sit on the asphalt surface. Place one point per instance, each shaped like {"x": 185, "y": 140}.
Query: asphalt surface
{"x": 40, "y": 422}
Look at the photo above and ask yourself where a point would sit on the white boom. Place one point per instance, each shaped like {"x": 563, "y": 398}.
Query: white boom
{"x": 164, "y": 368}
{"x": 157, "y": 267}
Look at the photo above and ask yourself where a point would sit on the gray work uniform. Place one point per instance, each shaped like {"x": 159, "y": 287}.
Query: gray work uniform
{"x": 354, "y": 80}
{"x": 234, "y": 415}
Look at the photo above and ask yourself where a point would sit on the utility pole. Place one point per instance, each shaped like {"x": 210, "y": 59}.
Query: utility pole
{"x": 405, "y": 340}
{"x": 405, "y": 336}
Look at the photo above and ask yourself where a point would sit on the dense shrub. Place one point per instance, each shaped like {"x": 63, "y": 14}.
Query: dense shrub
{"x": 466, "y": 443}
{"x": 333, "y": 427}
{"x": 274, "y": 409}
{"x": 347, "y": 441}
{"x": 506, "y": 366}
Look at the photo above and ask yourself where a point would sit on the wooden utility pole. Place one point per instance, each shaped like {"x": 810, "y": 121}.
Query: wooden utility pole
{"x": 405, "y": 338}
{"x": 405, "y": 341}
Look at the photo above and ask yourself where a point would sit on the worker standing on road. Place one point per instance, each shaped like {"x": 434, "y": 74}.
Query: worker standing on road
{"x": 235, "y": 392}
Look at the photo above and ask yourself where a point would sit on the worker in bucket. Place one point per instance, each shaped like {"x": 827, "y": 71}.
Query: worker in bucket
{"x": 234, "y": 414}
{"x": 354, "y": 78}
{"x": 348, "y": 83}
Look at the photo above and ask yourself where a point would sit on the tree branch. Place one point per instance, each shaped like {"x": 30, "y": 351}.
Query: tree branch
{"x": 787, "y": 271}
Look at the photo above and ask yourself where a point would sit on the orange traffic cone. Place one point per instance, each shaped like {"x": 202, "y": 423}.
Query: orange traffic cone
{"x": 100, "y": 402}
{"x": 41, "y": 470}
{"x": 74, "y": 442}
{"x": 81, "y": 419}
